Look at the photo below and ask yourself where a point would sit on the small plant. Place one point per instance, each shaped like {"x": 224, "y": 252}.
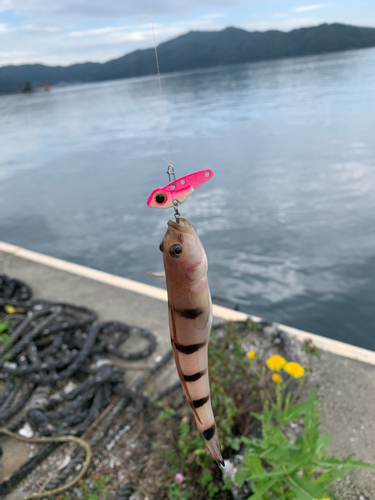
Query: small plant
{"x": 246, "y": 390}
{"x": 98, "y": 490}
{"x": 4, "y": 327}
{"x": 175, "y": 492}
{"x": 311, "y": 350}
{"x": 279, "y": 468}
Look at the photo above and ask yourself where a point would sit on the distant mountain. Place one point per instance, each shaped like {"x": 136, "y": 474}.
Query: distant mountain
{"x": 197, "y": 49}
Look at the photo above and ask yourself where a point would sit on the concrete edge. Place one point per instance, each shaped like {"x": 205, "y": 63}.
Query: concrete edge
{"x": 330, "y": 345}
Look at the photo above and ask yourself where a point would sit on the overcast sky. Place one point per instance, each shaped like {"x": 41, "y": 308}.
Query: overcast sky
{"x": 69, "y": 31}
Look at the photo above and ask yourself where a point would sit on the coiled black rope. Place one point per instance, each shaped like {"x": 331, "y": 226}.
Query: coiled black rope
{"x": 49, "y": 344}
{"x": 11, "y": 288}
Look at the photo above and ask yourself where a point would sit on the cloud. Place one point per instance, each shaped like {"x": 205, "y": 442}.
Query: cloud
{"x": 67, "y": 45}
{"x": 16, "y": 56}
{"x": 98, "y": 31}
{"x": 306, "y": 8}
{"x": 5, "y": 5}
{"x": 9, "y": 28}
{"x": 117, "y": 34}
{"x": 280, "y": 16}
{"x": 110, "y": 8}
{"x": 281, "y": 24}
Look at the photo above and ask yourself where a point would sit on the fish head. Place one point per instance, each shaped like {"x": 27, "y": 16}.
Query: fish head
{"x": 183, "y": 252}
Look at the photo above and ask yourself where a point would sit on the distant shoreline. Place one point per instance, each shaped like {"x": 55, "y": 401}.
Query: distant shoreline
{"x": 196, "y": 50}
{"x": 177, "y": 72}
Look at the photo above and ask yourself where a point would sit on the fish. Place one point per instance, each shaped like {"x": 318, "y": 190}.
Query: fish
{"x": 190, "y": 321}
{"x": 176, "y": 192}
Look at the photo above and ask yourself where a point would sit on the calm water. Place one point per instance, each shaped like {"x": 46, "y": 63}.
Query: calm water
{"x": 288, "y": 221}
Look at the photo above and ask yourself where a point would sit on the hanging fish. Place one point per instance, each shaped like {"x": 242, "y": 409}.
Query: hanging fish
{"x": 189, "y": 300}
{"x": 190, "y": 320}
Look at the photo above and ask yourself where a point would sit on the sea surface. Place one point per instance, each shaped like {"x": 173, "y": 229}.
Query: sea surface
{"x": 288, "y": 220}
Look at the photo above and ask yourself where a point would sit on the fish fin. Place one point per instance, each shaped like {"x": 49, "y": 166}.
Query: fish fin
{"x": 203, "y": 319}
{"x": 157, "y": 274}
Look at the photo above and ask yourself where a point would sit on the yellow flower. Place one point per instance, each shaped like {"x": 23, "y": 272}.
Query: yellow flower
{"x": 296, "y": 371}
{"x": 322, "y": 499}
{"x": 251, "y": 354}
{"x": 11, "y": 309}
{"x": 276, "y": 378}
{"x": 275, "y": 362}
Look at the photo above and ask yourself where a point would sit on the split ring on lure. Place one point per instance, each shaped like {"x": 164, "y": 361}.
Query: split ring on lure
{"x": 176, "y": 192}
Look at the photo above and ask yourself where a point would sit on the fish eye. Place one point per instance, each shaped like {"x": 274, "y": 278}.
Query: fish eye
{"x": 175, "y": 250}
{"x": 160, "y": 198}
{"x": 161, "y": 247}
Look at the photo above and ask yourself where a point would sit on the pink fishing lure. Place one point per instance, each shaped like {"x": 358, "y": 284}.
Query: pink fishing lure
{"x": 176, "y": 192}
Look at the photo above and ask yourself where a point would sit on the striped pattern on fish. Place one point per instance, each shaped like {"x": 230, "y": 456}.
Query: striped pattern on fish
{"x": 190, "y": 320}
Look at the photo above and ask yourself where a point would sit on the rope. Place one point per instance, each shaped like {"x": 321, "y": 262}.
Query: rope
{"x": 47, "y": 344}
{"x": 60, "y": 439}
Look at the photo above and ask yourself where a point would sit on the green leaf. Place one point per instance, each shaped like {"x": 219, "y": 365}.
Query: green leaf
{"x": 338, "y": 469}
{"x": 264, "y": 489}
{"x": 331, "y": 476}
{"x": 4, "y": 325}
{"x": 234, "y": 443}
{"x": 4, "y": 338}
{"x": 207, "y": 478}
{"x": 242, "y": 475}
{"x": 323, "y": 442}
{"x": 335, "y": 462}
{"x": 91, "y": 496}
{"x": 253, "y": 464}
{"x": 298, "y": 444}
{"x": 228, "y": 485}
{"x": 296, "y": 412}
{"x": 304, "y": 489}
{"x": 265, "y": 474}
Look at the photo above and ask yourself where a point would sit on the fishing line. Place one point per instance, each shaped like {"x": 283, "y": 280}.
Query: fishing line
{"x": 160, "y": 87}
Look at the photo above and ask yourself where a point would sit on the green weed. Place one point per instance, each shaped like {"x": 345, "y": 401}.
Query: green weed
{"x": 291, "y": 471}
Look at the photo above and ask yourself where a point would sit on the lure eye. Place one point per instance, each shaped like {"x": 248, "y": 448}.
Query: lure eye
{"x": 160, "y": 198}
{"x": 175, "y": 251}
{"x": 161, "y": 247}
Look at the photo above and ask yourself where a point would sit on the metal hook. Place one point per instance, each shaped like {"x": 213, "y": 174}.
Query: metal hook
{"x": 176, "y": 212}
{"x": 171, "y": 173}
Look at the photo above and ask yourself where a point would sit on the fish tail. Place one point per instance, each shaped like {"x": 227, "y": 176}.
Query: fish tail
{"x": 211, "y": 438}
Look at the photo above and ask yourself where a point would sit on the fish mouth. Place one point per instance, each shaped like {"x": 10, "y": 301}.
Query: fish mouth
{"x": 181, "y": 227}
